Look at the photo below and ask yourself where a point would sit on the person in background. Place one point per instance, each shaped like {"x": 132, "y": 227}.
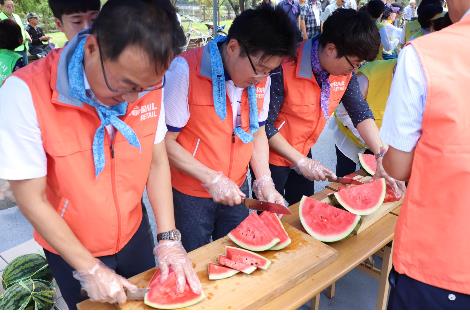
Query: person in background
{"x": 310, "y": 24}
{"x": 333, "y": 6}
{"x": 375, "y": 9}
{"x": 409, "y": 12}
{"x": 292, "y": 9}
{"x": 350, "y": 4}
{"x": 391, "y": 37}
{"x": 10, "y": 61}
{"x": 412, "y": 27}
{"x": 8, "y": 12}
{"x": 72, "y": 16}
{"x": 426, "y": 127}
{"x": 427, "y": 14}
{"x": 37, "y": 47}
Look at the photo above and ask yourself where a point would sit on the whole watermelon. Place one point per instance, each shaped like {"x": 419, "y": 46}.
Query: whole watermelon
{"x": 28, "y": 294}
{"x": 28, "y": 266}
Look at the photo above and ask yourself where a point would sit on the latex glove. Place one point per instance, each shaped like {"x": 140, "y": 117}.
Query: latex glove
{"x": 265, "y": 190}
{"x": 397, "y": 186}
{"x": 172, "y": 254}
{"x": 313, "y": 170}
{"x": 223, "y": 190}
{"x": 102, "y": 284}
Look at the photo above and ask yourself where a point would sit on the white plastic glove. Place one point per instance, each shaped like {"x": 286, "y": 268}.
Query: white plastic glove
{"x": 313, "y": 170}
{"x": 264, "y": 190}
{"x": 102, "y": 284}
{"x": 224, "y": 190}
{"x": 172, "y": 253}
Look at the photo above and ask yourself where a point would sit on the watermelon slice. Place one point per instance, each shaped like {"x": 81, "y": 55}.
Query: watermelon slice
{"x": 247, "y": 257}
{"x": 242, "y": 267}
{"x": 253, "y": 235}
{"x": 164, "y": 295}
{"x": 275, "y": 225}
{"x": 368, "y": 163}
{"x": 390, "y": 195}
{"x": 362, "y": 199}
{"x": 220, "y": 272}
{"x": 324, "y": 222}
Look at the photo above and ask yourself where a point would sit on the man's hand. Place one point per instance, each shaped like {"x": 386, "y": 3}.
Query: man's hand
{"x": 224, "y": 190}
{"x": 265, "y": 190}
{"x": 313, "y": 170}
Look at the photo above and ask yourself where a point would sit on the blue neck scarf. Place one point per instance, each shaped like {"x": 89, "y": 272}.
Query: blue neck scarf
{"x": 107, "y": 115}
{"x": 220, "y": 96}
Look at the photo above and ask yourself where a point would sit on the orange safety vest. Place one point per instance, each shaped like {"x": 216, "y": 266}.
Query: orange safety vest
{"x": 104, "y": 212}
{"x": 209, "y": 139}
{"x": 301, "y": 119}
{"x": 432, "y": 232}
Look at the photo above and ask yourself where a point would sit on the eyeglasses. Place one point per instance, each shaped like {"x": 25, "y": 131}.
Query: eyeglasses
{"x": 125, "y": 90}
{"x": 354, "y": 67}
{"x": 262, "y": 75}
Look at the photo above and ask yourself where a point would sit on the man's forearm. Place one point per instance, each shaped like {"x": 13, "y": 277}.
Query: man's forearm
{"x": 370, "y": 134}
{"x": 260, "y": 159}
{"x": 279, "y": 144}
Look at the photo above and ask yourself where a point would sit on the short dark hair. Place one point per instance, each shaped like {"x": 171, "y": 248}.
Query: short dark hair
{"x": 61, "y": 7}
{"x": 264, "y": 29}
{"x": 375, "y": 8}
{"x": 149, "y": 24}
{"x": 353, "y": 33}
{"x": 10, "y": 35}
{"x": 441, "y": 22}
{"x": 427, "y": 12}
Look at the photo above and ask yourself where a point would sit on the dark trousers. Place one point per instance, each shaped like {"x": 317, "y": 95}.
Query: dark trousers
{"x": 201, "y": 220}
{"x": 407, "y": 293}
{"x": 344, "y": 165}
{"x": 136, "y": 257}
{"x": 290, "y": 184}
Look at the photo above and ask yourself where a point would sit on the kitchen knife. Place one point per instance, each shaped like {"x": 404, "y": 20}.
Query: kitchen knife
{"x": 137, "y": 294}
{"x": 345, "y": 180}
{"x": 265, "y": 206}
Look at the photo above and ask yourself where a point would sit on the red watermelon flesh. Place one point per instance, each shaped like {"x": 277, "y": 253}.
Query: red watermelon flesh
{"x": 164, "y": 295}
{"x": 253, "y": 235}
{"x": 362, "y": 199}
{"x": 325, "y": 222}
{"x": 275, "y": 225}
{"x": 247, "y": 257}
{"x": 220, "y": 272}
{"x": 242, "y": 267}
{"x": 390, "y": 195}
{"x": 368, "y": 163}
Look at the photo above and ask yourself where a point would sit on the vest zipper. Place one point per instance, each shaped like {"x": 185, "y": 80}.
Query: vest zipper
{"x": 231, "y": 155}
{"x": 115, "y": 198}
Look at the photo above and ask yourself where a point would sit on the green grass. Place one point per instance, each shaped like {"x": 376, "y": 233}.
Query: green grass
{"x": 58, "y": 38}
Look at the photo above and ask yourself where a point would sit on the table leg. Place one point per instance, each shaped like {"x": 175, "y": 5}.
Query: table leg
{"x": 382, "y": 297}
{"x": 316, "y": 302}
{"x": 330, "y": 291}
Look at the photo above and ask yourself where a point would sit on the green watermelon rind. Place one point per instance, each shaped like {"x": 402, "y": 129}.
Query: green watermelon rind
{"x": 322, "y": 238}
{"x": 364, "y": 164}
{"x": 28, "y": 266}
{"x": 266, "y": 261}
{"x": 179, "y": 305}
{"x": 281, "y": 245}
{"x": 372, "y": 209}
{"x": 228, "y": 273}
{"x": 28, "y": 294}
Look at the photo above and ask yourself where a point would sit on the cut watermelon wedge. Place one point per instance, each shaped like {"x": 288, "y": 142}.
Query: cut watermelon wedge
{"x": 164, "y": 295}
{"x": 220, "y": 272}
{"x": 362, "y": 199}
{"x": 253, "y": 235}
{"x": 324, "y": 222}
{"x": 390, "y": 195}
{"x": 242, "y": 267}
{"x": 368, "y": 163}
{"x": 247, "y": 257}
{"x": 275, "y": 225}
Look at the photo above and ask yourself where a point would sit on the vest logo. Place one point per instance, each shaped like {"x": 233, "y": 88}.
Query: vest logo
{"x": 146, "y": 111}
{"x": 338, "y": 86}
{"x": 260, "y": 92}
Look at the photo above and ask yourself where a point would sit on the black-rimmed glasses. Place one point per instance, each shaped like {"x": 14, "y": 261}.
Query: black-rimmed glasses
{"x": 262, "y": 75}
{"x": 354, "y": 67}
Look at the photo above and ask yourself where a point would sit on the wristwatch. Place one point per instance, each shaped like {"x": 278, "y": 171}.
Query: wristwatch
{"x": 381, "y": 153}
{"x": 173, "y": 235}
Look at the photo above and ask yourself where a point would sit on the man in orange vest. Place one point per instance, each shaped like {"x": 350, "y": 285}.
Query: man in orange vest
{"x": 82, "y": 134}
{"x": 426, "y": 127}
{"x": 216, "y": 106}
{"x": 305, "y": 93}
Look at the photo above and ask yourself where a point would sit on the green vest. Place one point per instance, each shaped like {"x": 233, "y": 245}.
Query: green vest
{"x": 8, "y": 61}
{"x": 18, "y": 21}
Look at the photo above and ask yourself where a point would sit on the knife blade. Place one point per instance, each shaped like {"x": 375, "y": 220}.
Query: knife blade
{"x": 345, "y": 180}
{"x": 265, "y": 206}
{"x": 137, "y": 294}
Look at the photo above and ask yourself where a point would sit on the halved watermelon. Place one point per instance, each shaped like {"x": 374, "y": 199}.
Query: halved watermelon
{"x": 164, "y": 295}
{"x": 247, "y": 257}
{"x": 275, "y": 225}
{"x": 324, "y": 222}
{"x": 253, "y": 235}
{"x": 242, "y": 267}
{"x": 220, "y": 272}
{"x": 362, "y": 199}
{"x": 368, "y": 163}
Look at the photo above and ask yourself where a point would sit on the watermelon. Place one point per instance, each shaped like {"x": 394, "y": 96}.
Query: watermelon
{"x": 253, "y": 234}
{"x": 242, "y": 267}
{"x": 325, "y": 222}
{"x": 28, "y": 294}
{"x": 275, "y": 225}
{"x": 220, "y": 272}
{"x": 247, "y": 257}
{"x": 164, "y": 295}
{"x": 362, "y": 199}
{"x": 368, "y": 163}
{"x": 28, "y": 266}
{"x": 390, "y": 195}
